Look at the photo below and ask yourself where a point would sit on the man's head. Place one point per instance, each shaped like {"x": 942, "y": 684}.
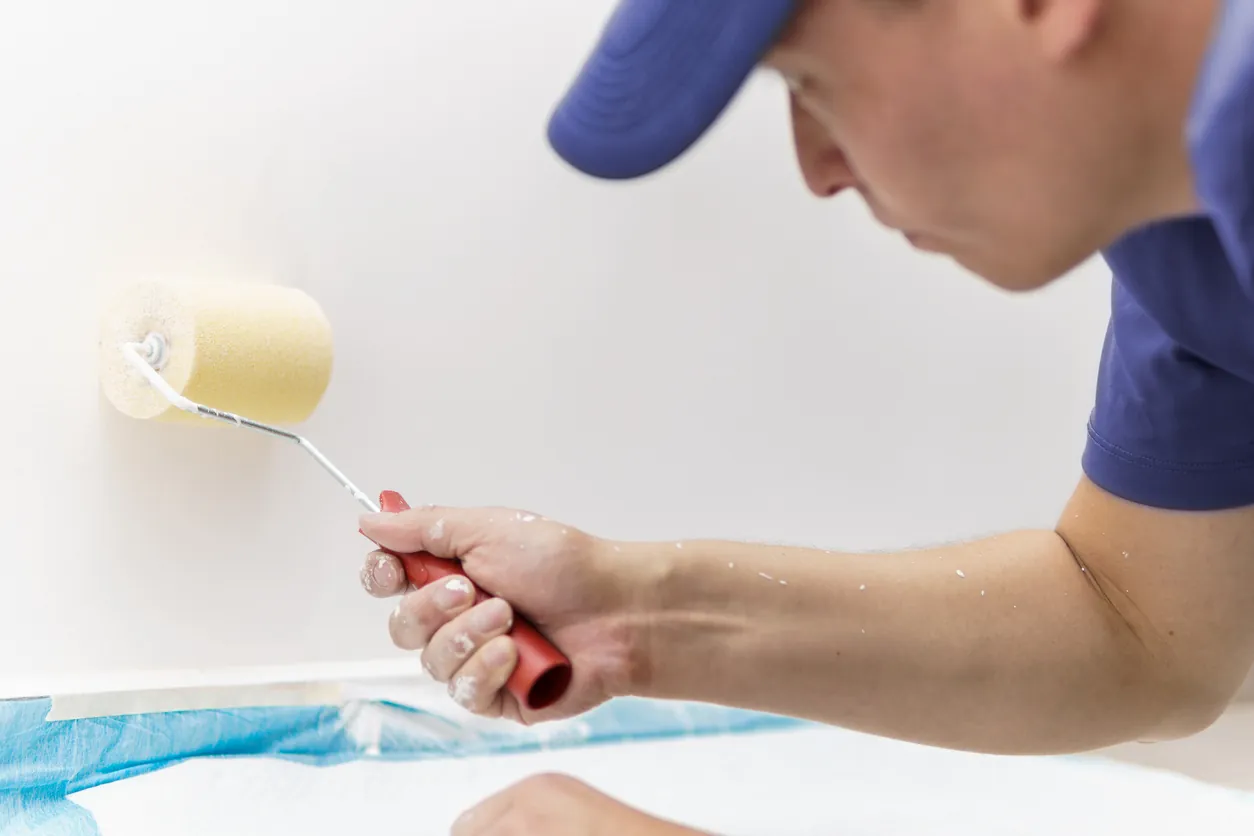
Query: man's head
{"x": 1016, "y": 136}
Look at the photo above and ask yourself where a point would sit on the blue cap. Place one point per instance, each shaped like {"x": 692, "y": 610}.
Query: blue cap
{"x": 660, "y": 76}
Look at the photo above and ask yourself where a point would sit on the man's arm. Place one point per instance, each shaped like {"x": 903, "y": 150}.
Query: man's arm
{"x": 1124, "y": 623}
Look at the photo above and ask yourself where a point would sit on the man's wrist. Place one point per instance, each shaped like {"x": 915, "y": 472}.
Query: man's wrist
{"x": 683, "y": 614}
{"x": 645, "y": 575}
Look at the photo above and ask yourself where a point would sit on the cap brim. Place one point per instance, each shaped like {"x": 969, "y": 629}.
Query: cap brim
{"x": 660, "y": 76}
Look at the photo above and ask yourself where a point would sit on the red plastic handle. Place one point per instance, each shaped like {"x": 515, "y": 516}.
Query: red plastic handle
{"x": 543, "y": 673}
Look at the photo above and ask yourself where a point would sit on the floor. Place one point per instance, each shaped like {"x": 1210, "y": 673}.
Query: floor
{"x": 785, "y": 784}
{"x": 802, "y": 783}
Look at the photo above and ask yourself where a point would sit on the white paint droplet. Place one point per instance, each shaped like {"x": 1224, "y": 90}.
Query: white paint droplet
{"x": 864, "y": 632}
{"x": 783, "y": 583}
{"x": 960, "y": 574}
{"x": 436, "y": 531}
{"x": 363, "y": 722}
{"x": 463, "y": 691}
{"x": 981, "y": 593}
{"x": 862, "y": 588}
{"x": 1125, "y": 555}
{"x": 764, "y": 575}
{"x": 529, "y": 518}
{"x": 458, "y": 584}
{"x": 679, "y": 545}
{"x": 462, "y": 645}
{"x": 731, "y": 565}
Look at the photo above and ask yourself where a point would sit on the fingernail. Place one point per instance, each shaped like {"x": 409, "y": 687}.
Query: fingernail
{"x": 383, "y": 572}
{"x": 490, "y": 616}
{"x": 497, "y": 655}
{"x": 455, "y": 592}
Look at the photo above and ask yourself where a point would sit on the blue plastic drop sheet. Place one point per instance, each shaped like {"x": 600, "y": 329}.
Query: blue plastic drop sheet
{"x": 42, "y": 763}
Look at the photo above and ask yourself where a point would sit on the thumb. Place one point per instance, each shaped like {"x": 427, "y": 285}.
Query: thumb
{"x": 442, "y": 532}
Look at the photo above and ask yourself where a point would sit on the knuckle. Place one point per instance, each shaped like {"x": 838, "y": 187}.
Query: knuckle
{"x": 491, "y": 618}
{"x": 440, "y": 603}
{"x": 546, "y": 782}
{"x": 429, "y": 666}
{"x": 460, "y": 645}
{"x": 497, "y": 658}
{"x": 464, "y": 689}
{"x": 447, "y": 653}
{"x": 475, "y": 684}
{"x": 415, "y": 620}
{"x": 453, "y": 641}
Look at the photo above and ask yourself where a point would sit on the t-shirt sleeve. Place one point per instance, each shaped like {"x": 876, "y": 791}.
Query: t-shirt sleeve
{"x": 1173, "y": 422}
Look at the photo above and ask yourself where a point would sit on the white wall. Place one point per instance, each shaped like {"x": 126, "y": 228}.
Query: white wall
{"x": 707, "y": 353}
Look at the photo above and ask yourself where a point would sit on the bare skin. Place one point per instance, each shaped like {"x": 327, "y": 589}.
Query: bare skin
{"x": 1018, "y": 137}
{"x": 1104, "y": 630}
{"x": 556, "y": 805}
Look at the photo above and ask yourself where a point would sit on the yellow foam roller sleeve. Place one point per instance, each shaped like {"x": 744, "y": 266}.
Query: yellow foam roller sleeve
{"x": 260, "y": 350}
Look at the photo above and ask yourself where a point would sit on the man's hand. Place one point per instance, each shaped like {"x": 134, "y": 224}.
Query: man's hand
{"x": 555, "y": 805}
{"x": 575, "y": 589}
{"x": 1122, "y": 623}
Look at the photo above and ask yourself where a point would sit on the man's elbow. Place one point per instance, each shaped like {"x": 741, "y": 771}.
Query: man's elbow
{"x": 1186, "y": 704}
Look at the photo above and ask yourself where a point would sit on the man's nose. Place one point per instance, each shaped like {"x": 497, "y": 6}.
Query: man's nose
{"x": 823, "y": 164}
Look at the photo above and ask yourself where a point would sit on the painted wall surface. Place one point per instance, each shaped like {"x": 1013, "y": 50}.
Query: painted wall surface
{"x": 709, "y": 353}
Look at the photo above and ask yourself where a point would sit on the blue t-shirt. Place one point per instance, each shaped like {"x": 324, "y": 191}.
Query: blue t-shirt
{"x": 1173, "y": 425}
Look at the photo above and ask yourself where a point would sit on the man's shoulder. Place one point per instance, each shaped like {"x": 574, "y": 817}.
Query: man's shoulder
{"x": 1173, "y": 423}
{"x": 1220, "y": 134}
{"x": 1193, "y": 277}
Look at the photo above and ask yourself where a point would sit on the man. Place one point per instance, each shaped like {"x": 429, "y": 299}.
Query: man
{"x": 1019, "y": 137}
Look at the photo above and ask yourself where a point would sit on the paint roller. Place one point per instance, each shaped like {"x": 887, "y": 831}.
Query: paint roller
{"x": 255, "y": 355}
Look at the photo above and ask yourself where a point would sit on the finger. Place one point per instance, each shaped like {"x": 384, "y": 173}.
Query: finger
{"x": 477, "y": 685}
{"x": 382, "y": 575}
{"x": 443, "y": 532}
{"x": 461, "y": 637}
{"x": 424, "y": 611}
{"x": 479, "y": 820}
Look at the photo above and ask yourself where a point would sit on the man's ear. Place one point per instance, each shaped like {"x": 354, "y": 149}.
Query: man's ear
{"x": 1063, "y": 27}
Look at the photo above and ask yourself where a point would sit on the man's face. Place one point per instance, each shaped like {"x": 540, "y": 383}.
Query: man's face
{"x": 962, "y": 125}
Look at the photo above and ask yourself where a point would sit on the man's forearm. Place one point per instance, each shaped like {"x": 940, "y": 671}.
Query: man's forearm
{"x": 1001, "y": 645}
